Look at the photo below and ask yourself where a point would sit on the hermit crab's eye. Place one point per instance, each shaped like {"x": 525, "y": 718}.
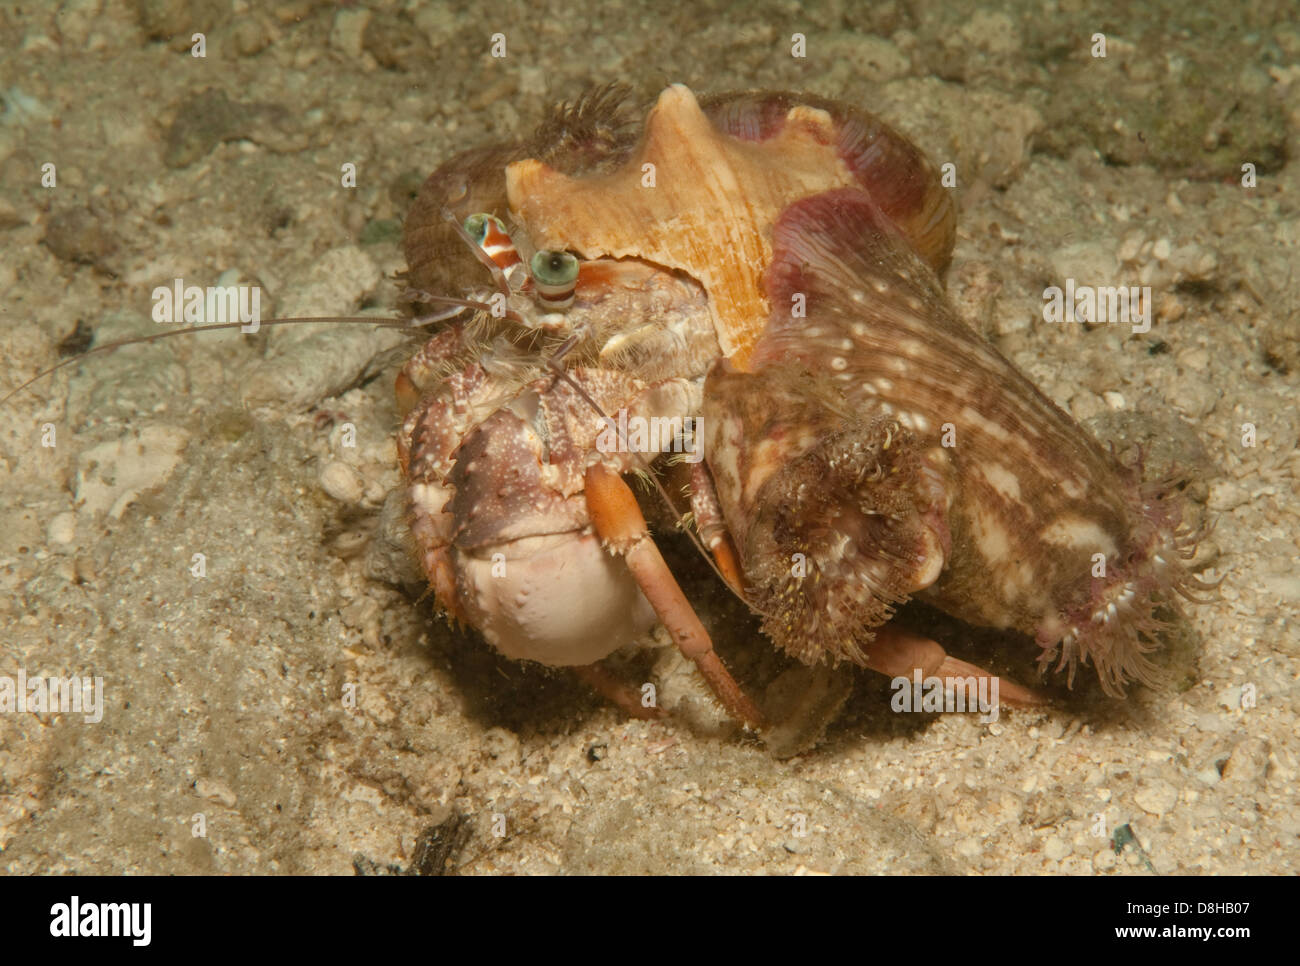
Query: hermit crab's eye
{"x": 489, "y": 234}
{"x": 476, "y": 226}
{"x": 556, "y": 276}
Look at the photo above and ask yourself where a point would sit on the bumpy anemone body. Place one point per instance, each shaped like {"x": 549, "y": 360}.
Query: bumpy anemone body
{"x": 1029, "y": 522}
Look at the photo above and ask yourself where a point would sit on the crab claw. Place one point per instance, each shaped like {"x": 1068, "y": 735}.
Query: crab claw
{"x": 530, "y": 574}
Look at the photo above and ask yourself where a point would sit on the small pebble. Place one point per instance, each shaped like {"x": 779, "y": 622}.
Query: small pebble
{"x": 250, "y": 36}
{"x": 796, "y": 846}
{"x": 80, "y": 236}
{"x": 342, "y": 482}
{"x": 348, "y": 31}
{"x": 1157, "y": 798}
{"x": 1130, "y": 246}
{"x": 1248, "y": 763}
{"x": 501, "y": 745}
{"x": 215, "y": 791}
{"x": 62, "y": 529}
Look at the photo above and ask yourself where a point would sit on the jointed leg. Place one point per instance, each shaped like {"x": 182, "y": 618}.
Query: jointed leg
{"x": 616, "y": 691}
{"x": 619, "y": 522}
{"x": 712, "y": 528}
{"x": 898, "y": 653}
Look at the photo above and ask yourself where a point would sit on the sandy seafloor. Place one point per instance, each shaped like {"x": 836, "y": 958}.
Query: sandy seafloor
{"x": 224, "y": 694}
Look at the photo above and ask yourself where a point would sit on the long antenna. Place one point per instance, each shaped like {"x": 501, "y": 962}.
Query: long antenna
{"x": 554, "y": 363}
{"x": 190, "y": 330}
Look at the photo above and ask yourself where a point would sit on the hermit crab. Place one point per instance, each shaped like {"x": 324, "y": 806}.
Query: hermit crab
{"x": 767, "y": 264}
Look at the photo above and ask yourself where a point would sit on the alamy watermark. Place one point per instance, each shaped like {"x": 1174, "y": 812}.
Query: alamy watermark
{"x": 653, "y": 434}
{"x": 213, "y": 305}
{"x": 52, "y": 695}
{"x": 935, "y": 694}
{"x": 1105, "y": 303}
{"x": 74, "y": 919}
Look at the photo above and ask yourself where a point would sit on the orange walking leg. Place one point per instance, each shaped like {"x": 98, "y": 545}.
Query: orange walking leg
{"x": 898, "y": 653}
{"x": 616, "y": 691}
{"x": 620, "y": 524}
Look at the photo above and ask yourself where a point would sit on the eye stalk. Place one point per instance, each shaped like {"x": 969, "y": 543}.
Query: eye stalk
{"x": 477, "y": 225}
{"x": 489, "y": 233}
{"x": 555, "y": 273}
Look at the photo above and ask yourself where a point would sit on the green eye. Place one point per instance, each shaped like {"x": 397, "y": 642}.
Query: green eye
{"x": 476, "y": 226}
{"x": 555, "y": 277}
{"x": 554, "y": 269}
